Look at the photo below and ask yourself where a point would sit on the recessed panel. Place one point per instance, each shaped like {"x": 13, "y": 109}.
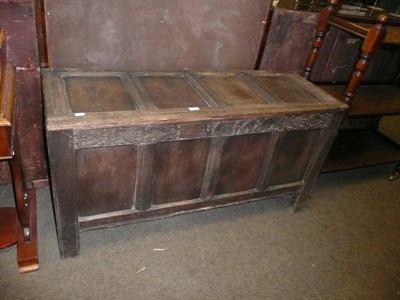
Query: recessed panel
{"x": 285, "y": 90}
{"x": 97, "y": 94}
{"x": 179, "y": 170}
{"x": 171, "y": 92}
{"x": 293, "y": 156}
{"x": 106, "y": 179}
{"x": 241, "y": 163}
{"x": 230, "y": 90}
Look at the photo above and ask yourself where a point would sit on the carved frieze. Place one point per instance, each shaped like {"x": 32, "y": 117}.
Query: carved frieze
{"x": 309, "y": 121}
{"x": 240, "y": 127}
{"x": 148, "y": 134}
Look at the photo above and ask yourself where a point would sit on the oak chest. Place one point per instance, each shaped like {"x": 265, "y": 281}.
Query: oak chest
{"x": 126, "y": 146}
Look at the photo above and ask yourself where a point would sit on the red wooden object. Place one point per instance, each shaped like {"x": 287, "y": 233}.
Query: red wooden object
{"x": 17, "y": 224}
{"x": 18, "y": 19}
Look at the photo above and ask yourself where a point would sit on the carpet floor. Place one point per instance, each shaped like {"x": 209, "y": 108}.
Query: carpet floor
{"x": 344, "y": 244}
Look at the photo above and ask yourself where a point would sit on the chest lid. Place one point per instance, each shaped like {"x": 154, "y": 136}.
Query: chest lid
{"x": 101, "y": 97}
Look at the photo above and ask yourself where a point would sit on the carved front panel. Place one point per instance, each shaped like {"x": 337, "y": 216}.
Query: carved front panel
{"x": 221, "y": 157}
{"x": 148, "y": 134}
{"x": 308, "y": 121}
{"x": 149, "y": 167}
{"x": 134, "y": 135}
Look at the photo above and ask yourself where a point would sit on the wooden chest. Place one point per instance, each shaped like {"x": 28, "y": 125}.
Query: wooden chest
{"x": 126, "y": 146}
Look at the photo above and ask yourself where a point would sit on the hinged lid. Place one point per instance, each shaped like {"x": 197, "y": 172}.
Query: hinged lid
{"x": 82, "y": 98}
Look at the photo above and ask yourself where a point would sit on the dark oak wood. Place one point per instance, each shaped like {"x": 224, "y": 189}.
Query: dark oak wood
{"x": 289, "y": 34}
{"x": 226, "y": 138}
{"x": 63, "y": 174}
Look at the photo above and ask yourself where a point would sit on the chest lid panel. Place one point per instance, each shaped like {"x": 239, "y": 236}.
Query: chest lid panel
{"x": 107, "y": 96}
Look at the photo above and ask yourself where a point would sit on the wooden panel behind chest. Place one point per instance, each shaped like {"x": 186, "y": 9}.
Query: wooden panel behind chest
{"x": 155, "y": 34}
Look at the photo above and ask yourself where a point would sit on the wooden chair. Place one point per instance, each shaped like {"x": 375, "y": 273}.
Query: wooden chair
{"x": 370, "y": 103}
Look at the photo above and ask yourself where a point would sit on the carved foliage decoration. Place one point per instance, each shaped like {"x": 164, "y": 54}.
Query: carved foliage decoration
{"x": 148, "y": 134}
{"x": 125, "y": 136}
{"x": 309, "y": 121}
{"x": 240, "y": 127}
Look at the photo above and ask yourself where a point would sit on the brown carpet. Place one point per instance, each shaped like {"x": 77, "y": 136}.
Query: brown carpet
{"x": 345, "y": 244}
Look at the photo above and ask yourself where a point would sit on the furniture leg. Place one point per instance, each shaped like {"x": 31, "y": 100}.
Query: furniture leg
{"x": 27, "y": 254}
{"x": 297, "y": 201}
{"x": 396, "y": 173}
{"x": 64, "y": 193}
{"x": 18, "y": 224}
{"x": 25, "y": 202}
{"x": 370, "y": 44}
{"x": 21, "y": 197}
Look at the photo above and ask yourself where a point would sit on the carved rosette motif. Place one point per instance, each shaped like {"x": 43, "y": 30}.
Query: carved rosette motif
{"x": 125, "y": 136}
{"x": 309, "y": 121}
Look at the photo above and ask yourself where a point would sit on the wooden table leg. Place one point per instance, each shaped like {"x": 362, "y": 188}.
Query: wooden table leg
{"x": 25, "y": 203}
{"x": 27, "y": 254}
{"x": 18, "y": 224}
{"x": 11, "y": 232}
